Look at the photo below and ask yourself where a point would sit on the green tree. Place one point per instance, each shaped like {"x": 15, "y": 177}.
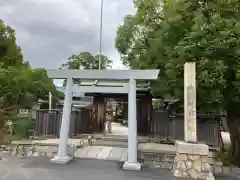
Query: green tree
{"x": 136, "y": 40}
{"x": 10, "y": 53}
{"x": 206, "y": 32}
{"x": 86, "y": 60}
{"x": 20, "y": 86}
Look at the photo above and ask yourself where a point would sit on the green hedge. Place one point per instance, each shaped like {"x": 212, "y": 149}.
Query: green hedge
{"x": 23, "y": 127}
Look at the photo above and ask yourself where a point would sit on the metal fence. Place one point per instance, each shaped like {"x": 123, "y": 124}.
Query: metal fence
{"x": 169, "y": 126}
{"x": 48, "y": 123}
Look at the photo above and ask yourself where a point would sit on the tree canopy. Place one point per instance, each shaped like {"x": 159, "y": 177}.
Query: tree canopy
{"x": 86, "y": 60}
{"x": 20, "y": 85}
{"x": 167, "y": 34}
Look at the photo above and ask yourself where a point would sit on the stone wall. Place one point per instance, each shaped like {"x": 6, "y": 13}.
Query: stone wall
{"x": 192, "y": 166}
{"x": 165, "y": 161}
{"x": 25, "y": 150}
{"x": 156, "y": 160}
{"x": 191, "y": 161}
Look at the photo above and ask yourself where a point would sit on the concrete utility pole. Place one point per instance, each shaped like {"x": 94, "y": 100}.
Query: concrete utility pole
{"x": 100, "y": 36}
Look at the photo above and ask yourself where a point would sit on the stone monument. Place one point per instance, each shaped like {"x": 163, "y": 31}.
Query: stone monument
{"x": 191, "y": 160}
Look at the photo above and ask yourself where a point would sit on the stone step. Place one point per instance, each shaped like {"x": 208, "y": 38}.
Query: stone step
{"x": 114, "y": 139}
{"x": 118, "y": 138}
{"x": 102, "y": 152}
{"x": 110, "y": 143}
{"x": 110, "y": 136}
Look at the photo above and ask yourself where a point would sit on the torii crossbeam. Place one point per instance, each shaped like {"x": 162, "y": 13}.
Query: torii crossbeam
{"x": 131, "y": 76}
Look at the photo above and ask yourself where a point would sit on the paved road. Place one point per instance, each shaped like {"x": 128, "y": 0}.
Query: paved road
{"x": 101, "y": 152}
{"x": 38, "y": 168}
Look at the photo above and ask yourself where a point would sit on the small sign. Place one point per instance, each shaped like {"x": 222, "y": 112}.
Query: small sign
{"x": 23, "y": 111}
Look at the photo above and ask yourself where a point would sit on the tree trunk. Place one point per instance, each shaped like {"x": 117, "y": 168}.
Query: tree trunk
{"x": 233, "y": 115}
{"x": 1, "y": 131}
{"x": 234, "y": 128}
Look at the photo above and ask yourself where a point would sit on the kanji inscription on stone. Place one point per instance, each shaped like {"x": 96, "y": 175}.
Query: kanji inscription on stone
{"x": 191, "y": 113}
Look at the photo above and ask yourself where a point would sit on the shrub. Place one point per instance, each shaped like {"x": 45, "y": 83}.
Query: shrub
{"x": 23, "y": 127}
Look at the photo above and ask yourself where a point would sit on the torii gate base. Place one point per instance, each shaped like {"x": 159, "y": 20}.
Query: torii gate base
{"x": 131, "y": 75}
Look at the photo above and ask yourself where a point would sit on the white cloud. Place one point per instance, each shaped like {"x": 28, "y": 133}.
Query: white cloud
{"x": 49, "y": 31}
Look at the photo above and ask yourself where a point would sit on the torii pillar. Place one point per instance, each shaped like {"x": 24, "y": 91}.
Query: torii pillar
{"x": 62, "y": 157}
{"x": 131, "y": 75}
{"x": 131, "y": 163}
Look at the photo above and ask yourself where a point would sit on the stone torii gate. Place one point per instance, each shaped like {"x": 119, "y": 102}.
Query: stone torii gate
{"x": 131, "y": 76}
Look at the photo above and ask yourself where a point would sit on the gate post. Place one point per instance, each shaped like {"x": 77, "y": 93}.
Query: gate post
{"x": 62, "y": 156}
{"x": 131, "y": 163}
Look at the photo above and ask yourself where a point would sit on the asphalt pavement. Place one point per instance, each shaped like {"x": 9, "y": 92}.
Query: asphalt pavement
{"x": 38, "y": 168}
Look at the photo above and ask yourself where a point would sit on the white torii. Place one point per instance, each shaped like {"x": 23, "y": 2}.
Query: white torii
{"x": 131, "y": 76}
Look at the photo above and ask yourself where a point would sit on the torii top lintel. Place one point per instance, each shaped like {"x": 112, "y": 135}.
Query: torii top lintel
{"x": 149, "y": 74}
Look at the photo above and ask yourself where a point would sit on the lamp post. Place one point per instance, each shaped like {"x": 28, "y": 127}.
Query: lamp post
{"x": 100, "y": 36}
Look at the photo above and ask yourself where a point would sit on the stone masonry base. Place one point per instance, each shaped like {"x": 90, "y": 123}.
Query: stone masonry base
{"x": 191, "y": 161}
